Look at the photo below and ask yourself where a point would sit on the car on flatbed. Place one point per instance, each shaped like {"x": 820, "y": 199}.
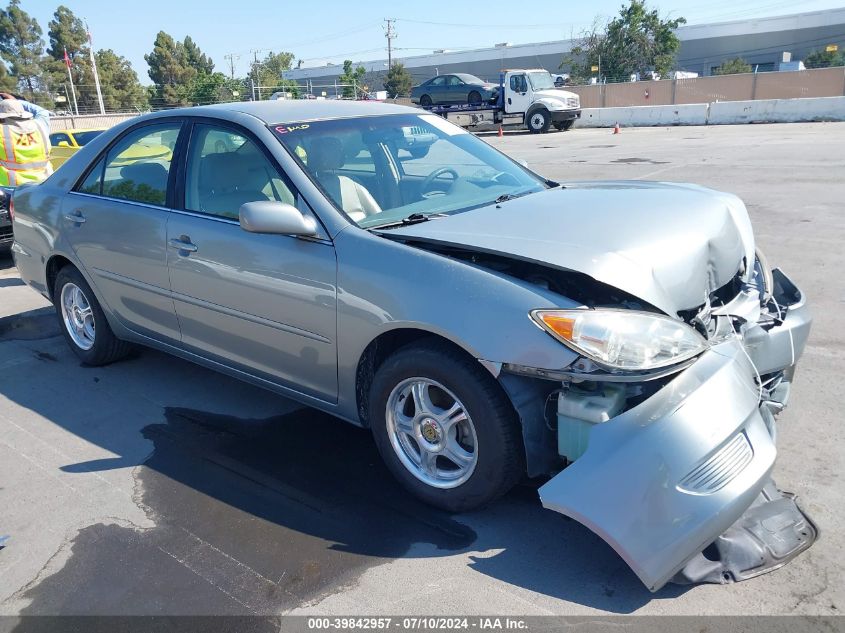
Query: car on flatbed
{"x": 454, "y": 88}
{"x": 625, "y": 341}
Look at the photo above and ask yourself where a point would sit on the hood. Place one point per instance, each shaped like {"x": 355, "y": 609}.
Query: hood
{"x": 555, "y": 93}
{"x": 669, "y": 244}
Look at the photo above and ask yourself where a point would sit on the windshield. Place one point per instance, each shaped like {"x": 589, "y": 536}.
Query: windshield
{"x": 82, "y": 138}
{"x": 541, "y": 80}
{"x": 380, "y": 170}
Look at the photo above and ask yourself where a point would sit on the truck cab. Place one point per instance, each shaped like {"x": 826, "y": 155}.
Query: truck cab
{"x": 532, "y": 96}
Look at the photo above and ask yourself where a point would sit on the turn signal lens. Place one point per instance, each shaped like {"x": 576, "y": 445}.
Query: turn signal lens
{"x": 622, "y": 339}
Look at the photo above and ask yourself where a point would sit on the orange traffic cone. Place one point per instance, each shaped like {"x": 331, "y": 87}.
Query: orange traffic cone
{"x": 501, "y": 134}
{"x": 616, "y": 128}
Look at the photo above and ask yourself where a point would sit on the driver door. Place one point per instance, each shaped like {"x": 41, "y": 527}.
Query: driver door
{"x": 518, "y": 98}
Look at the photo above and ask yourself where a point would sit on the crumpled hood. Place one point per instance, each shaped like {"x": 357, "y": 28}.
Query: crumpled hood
{"x": 669, "y": 244}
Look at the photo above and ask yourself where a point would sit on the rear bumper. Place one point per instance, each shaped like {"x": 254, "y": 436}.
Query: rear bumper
{"x": 664, "y": 480}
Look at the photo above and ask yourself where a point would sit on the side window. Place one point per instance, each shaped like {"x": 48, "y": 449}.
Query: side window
{"x": 58, "y": 137}
{"x": 438, "y": 81}
{"x": 93, "y": 181}
{"x": 226, "y": 170}
{"x": 138, "y": 166}
{"x": 518, "y": 83}
{"x": 455, "y": 81}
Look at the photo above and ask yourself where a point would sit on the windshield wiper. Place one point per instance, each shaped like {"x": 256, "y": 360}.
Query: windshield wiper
{"x": 414, "y": 218}
{"x": 511, "y": 196}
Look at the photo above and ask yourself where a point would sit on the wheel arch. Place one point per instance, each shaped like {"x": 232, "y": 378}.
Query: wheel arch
{"x": 52, "y": 268}
{"x": 380, "y": 348}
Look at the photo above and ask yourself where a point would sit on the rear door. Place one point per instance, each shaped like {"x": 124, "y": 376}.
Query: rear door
{"x": 437, "y": 89}
{"x": 265, "y": 304}
{"x": 116, "y": 221}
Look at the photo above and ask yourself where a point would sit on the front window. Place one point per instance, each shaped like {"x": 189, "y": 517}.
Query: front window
{"x": 541, "y": 81}
{"x": 380, "y": 170}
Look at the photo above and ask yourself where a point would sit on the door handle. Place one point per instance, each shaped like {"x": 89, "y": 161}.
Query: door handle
{"x": 183, "y": 244}
{"x": 75, "y": 217}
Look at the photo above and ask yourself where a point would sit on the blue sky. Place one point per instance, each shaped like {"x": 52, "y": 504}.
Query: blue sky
{"x": 333, "y": 30}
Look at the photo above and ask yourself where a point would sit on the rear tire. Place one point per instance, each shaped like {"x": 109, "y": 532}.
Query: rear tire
{"x": 425, "y": 101}
{"x": 474, "y": 98}
{"x": 82, "y": 321}
{"x": 565, "y": 125}
{"x": 456, "y": 461}
{"x": 538, "y": 121}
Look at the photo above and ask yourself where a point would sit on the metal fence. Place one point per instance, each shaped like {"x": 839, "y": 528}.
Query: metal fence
{"x": 819, "y": 82}
{"x": 84, "y": 121}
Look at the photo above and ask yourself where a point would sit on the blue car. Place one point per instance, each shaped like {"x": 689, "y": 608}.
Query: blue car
{"x": 451, "y": 89}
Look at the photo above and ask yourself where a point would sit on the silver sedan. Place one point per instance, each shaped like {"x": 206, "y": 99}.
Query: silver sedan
{"x": 624, "y": 341}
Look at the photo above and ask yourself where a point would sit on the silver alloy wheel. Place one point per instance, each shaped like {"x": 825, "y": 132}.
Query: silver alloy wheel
{"x": 78, "y": 316}
{"x": 538, "y": 120}
{"x": 431, "y": 433}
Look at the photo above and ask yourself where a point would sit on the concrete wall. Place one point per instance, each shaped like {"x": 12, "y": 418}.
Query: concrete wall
{"x": 87, "y": 121}
{"x": 718, "y": 113}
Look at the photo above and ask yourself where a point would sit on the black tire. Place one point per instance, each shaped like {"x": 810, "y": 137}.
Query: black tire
{"x": 538, "y": 121}
{"x": 564, "y": 125}
{"x": 425, "y": 101}
{"x": 500, "y": 456}
{"x": 106, "y": 348}
{"x": 474, "y": 98}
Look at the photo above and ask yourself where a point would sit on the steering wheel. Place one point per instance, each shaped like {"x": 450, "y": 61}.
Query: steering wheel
{"x": 429, "y": 180}
{"x": 501, "y": 177}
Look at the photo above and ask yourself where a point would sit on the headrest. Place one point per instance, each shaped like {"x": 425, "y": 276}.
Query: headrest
{"x": 326, "y": 154}
{"x": 152, "y": 174}
{"x": 223, "y": 172}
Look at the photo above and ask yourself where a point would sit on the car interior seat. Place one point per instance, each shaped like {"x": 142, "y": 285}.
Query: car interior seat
{"x": 325, "y": 156}
{"x": 225, "y": 183}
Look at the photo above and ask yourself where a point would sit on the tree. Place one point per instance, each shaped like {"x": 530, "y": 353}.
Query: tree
{"x": 398, "y": 82}
{"x": 66, "y": 32}
{"x": 22, "y": 48}
{"x": 170, "y": 71}
{"x": 733, "y": 66}
{"x": 8, "y": 83}
{"x": 196, "y": 58}
{"x": 120, "y": 86}
{"x": 637, "y": 41}
{"x": 825, "y": 59}
{"x": 352, "y": 79}
{"x": 266, "y": 74}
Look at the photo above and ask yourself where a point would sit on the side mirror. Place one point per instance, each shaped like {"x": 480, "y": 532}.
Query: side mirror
{"x": 269, "y": 216}
{"x": 63, "y": 144}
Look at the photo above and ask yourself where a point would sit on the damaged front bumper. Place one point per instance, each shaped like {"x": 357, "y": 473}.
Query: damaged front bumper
{"x": 680, "y": 485}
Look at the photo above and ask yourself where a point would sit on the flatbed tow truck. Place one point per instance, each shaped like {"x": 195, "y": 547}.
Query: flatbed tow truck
{"x": 526, "y": 99}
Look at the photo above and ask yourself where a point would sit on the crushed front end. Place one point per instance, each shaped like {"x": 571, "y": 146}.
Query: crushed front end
{"x": 672, "y": 467}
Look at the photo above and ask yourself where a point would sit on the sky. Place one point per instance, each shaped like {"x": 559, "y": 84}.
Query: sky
{"x": 333, "y": 30}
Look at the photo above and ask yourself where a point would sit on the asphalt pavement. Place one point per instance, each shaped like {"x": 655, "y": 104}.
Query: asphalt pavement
{"x": 153, "y": 486}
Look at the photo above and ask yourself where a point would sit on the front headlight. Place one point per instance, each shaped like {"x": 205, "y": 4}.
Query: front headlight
{"x": 622, "y": 339}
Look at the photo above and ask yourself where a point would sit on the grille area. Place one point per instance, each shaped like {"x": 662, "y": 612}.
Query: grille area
{"x": 573, "y": 102}
{"x": 721, "y": 468}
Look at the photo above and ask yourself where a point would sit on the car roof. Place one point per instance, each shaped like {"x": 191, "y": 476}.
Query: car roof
{"x": 291, "y": 110}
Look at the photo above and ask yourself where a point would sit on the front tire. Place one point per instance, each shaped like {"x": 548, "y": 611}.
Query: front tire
{"x": 538, "y": 121}
{"x": 82, "y": 321}
{"x": 474, "y": 98}
{"x": 444, "y": 427}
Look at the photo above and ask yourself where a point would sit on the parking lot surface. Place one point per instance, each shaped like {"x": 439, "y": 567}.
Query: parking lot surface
{"x": 153, "y": 486}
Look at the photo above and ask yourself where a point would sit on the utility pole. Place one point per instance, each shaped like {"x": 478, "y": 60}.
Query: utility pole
{"x": 254, "y": 74}
{"x": 94, "y": 69}
{"x": 390, "y": 34}
{"x": 232, "y": 59}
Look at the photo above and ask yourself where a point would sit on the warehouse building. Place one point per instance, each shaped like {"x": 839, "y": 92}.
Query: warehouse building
{"x": 761, "y": 42}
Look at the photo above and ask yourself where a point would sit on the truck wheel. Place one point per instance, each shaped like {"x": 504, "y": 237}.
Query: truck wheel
{"x": 444, "y": 427}
{"x": 538, "y": 121}
{"x": 565, "y": 125}
{"x": 82, "y": 321}
{"x": 474, "y": 98}
{"x": 425, "y": 101}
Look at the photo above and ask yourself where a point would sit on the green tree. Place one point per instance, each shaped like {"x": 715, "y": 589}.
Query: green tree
{"x": 636, "y": 41}
{"x": 353, "y": 79}
{"x": 825, "y": 59}
{"x": 120, "y": 86}
{"x": 67, "y": 32}
{"x": 266, "y": 75}
{"x": 209, "y": 88}
{"x": 8, "y": 83}
{"x": 21, "y": 46}
{"x": 398, "y": 82}
{"x": 196, "y": 58}
{"x": 170, "y": 71}
{"x": 733, "y": 66}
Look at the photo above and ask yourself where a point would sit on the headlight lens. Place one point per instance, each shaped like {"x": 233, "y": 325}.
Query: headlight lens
{"x": 622, "y": 339}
